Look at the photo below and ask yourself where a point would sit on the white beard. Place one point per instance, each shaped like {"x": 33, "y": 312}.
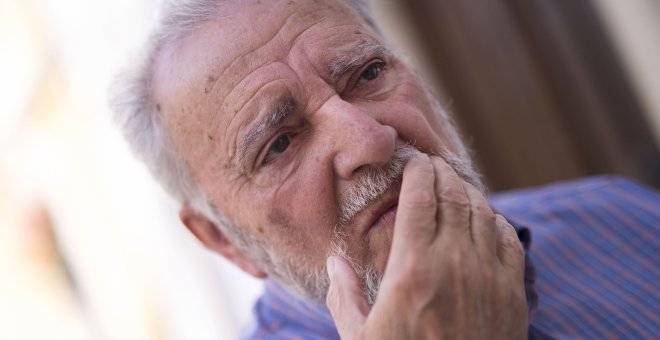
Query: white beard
{"x": 311, "y": 282}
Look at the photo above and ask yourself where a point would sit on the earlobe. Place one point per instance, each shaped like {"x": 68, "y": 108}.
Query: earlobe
{"x": 215, "y": 240}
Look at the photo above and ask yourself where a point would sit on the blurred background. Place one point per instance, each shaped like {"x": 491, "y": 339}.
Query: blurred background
{"x": 91, "y": 247}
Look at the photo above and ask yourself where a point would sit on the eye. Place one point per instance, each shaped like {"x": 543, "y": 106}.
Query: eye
{"x": 372, "y": 72}
{"x": 280, "y": 144}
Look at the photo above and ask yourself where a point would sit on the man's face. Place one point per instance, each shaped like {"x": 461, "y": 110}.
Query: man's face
{"x": 281, "y": 109}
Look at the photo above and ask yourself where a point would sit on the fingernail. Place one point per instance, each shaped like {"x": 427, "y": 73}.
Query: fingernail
{"x": 330, "y": 265}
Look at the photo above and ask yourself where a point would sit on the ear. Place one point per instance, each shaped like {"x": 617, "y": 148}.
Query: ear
{"x": 210, "y": 235}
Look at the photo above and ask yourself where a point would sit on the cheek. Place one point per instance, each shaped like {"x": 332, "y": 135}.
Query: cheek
{"x": 302, "y": 209}
{"x": 280, "y": 173}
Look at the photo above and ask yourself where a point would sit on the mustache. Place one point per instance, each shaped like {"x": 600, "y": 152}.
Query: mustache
{"x": 375, "y": 182}
{"x": 369, "y": 188}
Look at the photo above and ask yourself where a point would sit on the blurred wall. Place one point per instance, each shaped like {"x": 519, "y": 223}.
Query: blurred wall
{"x": 539, "y": 88}
{"x": 90, "y": 246}
{"x": 634, "y": 27}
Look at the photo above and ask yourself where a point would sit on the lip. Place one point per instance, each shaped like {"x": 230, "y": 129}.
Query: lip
{"x": 384, "y": 213}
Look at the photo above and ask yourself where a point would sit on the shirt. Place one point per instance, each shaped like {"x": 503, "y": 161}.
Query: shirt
{"x": 596, "y": 248}
{"x": 596, "y": 255}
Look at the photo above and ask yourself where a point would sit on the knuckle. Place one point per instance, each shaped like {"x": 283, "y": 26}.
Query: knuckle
{"x": 514, "y": 247}
{"x": 455, "y": 198}
{"x": 501, "y": 219}
{"x": 484, "y": 217}
{"x": 419, "y": 199}
{"x": 504, "y": 226}
{"x": 453, "y": 193}
{"x": 485, "y": 212}
{"x": 517, "y": 247}
{"x": 505, "y": 229}
{"x": 457, "y": 206}
{"x": 491, "y": 221}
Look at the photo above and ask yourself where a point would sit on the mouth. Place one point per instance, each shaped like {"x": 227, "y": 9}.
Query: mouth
{"x": 384, "y": 214}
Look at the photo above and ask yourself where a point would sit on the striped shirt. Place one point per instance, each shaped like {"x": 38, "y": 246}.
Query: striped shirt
{"x": 596, "y": 248}
{"x": 596, "y": 255}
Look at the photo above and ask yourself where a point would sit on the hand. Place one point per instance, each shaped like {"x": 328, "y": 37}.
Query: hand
{"x": 455, "y": 269}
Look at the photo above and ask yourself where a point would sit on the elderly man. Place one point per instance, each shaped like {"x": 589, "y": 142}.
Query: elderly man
{"x": 303, "y": 149}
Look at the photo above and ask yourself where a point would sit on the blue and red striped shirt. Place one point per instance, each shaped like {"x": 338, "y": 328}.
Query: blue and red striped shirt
{"x": 596, "y": 274}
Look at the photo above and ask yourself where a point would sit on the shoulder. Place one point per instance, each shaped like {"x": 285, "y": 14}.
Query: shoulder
{"x": 592, "y": 194}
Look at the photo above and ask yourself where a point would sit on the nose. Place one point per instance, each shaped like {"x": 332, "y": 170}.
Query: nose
{"x": 359, "y": 140}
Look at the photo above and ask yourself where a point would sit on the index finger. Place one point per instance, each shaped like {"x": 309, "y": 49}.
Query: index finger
{"x": 415, "y": 217}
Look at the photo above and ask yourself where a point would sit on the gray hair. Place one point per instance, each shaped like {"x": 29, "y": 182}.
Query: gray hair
{"x": 136, "y": 113}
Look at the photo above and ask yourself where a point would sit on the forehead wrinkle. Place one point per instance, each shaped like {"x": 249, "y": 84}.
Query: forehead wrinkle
{"x": 247, "y": 54}
{"x": 242, "y": 79}
{"x": 278, "y": 38}
{"x": 254, "y": 92}
{"x": 354, "y": 57}
{"x": 270, "y": 40}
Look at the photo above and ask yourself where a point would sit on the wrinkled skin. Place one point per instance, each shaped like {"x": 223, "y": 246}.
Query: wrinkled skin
{"x": 283, "y": 185}
{"x": 212, "y": 86}
{"x": 455, "y": 268}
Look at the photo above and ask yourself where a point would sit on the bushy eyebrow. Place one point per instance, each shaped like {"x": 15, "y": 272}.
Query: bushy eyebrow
{"x": 270, "y": 121}
{"x": 354, "y": 58}
{"x": 337, "y": 66}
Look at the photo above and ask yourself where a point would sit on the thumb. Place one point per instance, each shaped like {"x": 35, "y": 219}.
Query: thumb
{"x": 346, "y": 300}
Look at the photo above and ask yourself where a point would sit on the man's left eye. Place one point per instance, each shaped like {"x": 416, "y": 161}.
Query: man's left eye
{"x": 371, "y": 72}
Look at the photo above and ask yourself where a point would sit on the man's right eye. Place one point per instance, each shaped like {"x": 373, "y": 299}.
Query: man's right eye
{"x": 278, "y": 147}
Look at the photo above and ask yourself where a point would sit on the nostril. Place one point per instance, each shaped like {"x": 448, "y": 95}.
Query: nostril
{"x": 359, "y": 169}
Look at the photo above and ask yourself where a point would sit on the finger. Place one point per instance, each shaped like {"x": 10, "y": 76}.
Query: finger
{"x": 453, "y": 205}
{"x": 482, "y": 222}
{"x": 509, "y": 249}
{"x": 415, "y": 217}
{"x": 346, "y": 300}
